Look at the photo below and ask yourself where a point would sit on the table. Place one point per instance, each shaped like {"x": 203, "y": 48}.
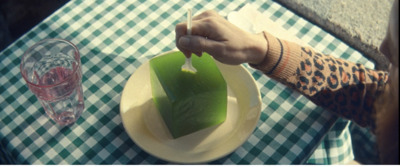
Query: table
{"x": 114, "y": 39}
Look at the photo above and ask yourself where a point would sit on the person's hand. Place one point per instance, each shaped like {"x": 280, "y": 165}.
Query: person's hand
{"x": 224, "y": 41}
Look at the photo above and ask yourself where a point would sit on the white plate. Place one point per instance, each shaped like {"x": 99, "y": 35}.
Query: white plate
{"x": 146, "y": 128}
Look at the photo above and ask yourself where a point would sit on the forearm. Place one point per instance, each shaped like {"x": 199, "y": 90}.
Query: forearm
{"x": 342, "y": 87}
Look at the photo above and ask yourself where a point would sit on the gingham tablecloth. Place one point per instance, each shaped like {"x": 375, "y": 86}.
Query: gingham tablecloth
{"x": 114, "y": 39}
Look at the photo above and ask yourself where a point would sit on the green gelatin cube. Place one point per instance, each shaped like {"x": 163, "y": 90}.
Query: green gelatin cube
{"x": 188, "y": 102}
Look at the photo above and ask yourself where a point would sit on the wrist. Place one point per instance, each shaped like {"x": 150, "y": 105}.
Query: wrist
{"x": 281, "y": 59}
{"x": 259, "y": 49}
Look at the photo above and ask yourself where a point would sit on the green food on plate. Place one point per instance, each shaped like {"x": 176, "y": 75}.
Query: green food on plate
{"x": 188, "y": 102}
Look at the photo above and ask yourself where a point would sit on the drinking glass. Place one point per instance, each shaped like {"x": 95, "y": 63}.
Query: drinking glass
{"x": 52, "y": 71}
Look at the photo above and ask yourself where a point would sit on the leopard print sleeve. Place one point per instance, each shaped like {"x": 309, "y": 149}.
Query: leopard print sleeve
{"x": 345, "y": 88}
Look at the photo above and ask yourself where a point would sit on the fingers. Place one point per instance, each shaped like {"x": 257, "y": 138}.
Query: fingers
{"x": 180, "y": 30}
{"x": 199, "y": 44}
{"x": 213, "y": 34}
{"x": 201, "y": 27}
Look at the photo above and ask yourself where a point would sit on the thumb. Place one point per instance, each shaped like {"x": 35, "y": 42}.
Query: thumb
{"x": 198, "y": 44}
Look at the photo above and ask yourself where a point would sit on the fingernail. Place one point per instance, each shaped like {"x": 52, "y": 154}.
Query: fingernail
{"x": 184, "y": 41}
